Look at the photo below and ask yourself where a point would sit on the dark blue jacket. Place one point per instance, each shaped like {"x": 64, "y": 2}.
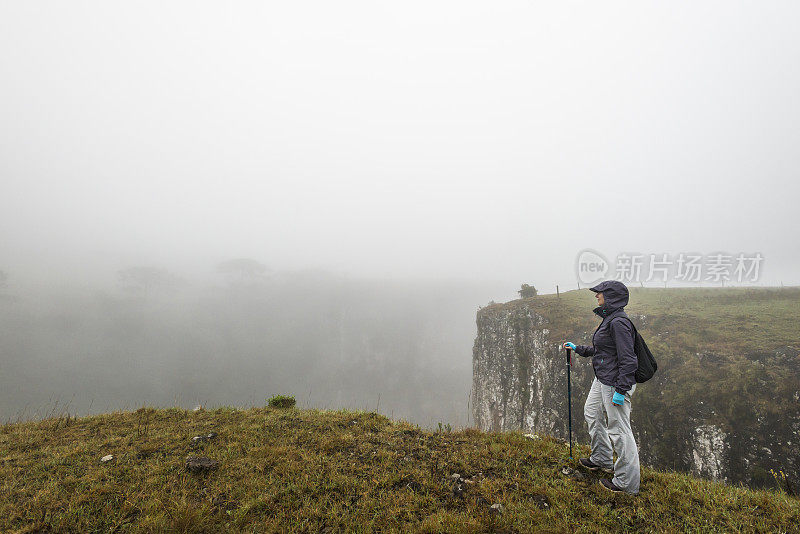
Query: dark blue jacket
{"x": 612, "y": 353}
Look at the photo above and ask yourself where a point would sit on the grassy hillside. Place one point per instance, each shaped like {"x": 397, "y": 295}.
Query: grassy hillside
{"x": 283, "y": 470}
{"x": 725, "y": 320}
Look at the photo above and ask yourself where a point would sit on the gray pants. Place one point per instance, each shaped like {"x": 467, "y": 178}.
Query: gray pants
{"x": 618, "y": 430}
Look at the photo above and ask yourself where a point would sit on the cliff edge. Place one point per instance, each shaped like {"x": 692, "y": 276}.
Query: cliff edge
{"x": 724, "y": 404}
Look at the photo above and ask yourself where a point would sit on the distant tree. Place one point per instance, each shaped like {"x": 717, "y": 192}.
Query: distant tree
{"x": 142, "y": 279}
{"x": 243, "y": 270}
{"x": 527, "y": 291}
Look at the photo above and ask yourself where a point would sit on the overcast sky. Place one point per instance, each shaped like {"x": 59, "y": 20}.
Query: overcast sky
{"x": 478, "y": 140}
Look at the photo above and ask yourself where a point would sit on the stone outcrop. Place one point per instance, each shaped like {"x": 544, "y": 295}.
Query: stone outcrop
{"x": 519, "y": 375}
{"x": 709, "y": 452}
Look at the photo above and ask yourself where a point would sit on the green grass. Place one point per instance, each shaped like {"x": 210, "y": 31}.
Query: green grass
{"x": 290, "y": 470}
{"x": 281, "y": 401}
{"x": 723, "y": 320}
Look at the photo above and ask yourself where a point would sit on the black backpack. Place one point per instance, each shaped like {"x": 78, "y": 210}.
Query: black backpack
{"x": 647, "y": 364}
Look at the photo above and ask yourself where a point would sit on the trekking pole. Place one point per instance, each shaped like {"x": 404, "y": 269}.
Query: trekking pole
{"x": 569, "y": 398}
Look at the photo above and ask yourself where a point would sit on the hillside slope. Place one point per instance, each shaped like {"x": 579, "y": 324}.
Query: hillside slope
{"x": 724, "y": 403}
{"x": 328, "y": 471}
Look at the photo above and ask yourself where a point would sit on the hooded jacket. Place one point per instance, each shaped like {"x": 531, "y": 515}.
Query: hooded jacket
{"x": 613, "y": 358}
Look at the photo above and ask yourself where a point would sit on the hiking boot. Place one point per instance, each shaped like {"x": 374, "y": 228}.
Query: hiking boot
{"x": 607, "y": 484}
{"x": 594, "y": 467}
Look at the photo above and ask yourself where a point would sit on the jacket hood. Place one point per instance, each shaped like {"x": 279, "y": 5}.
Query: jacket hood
{"x": 615, "y": 295}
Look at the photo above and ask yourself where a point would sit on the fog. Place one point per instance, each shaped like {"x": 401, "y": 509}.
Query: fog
{"x": 400, "y": 348}
{"x": 406, "y": 161}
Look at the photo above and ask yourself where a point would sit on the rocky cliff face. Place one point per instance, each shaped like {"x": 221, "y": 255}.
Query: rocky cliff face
{"x": 519, "y": 374}
{"x": 520, "y": 383}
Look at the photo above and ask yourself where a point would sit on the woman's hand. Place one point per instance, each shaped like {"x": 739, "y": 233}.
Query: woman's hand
{"x": 569, "y": 345}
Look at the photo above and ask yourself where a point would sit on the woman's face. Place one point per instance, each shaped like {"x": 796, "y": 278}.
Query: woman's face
{"x": 600, "y": 299}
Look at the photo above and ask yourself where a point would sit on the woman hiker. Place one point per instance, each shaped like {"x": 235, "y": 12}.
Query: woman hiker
{"x": 614, "y": 365}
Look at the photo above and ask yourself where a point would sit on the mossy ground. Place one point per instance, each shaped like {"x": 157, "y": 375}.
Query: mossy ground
{"x": 290, "y": 470}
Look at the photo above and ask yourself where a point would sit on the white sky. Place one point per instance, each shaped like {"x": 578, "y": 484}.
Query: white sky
{"x": 466, "y": 139}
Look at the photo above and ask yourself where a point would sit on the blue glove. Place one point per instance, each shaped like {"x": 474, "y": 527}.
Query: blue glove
{"x": 569, "y": 346}
{"x": 618, "y": 398}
